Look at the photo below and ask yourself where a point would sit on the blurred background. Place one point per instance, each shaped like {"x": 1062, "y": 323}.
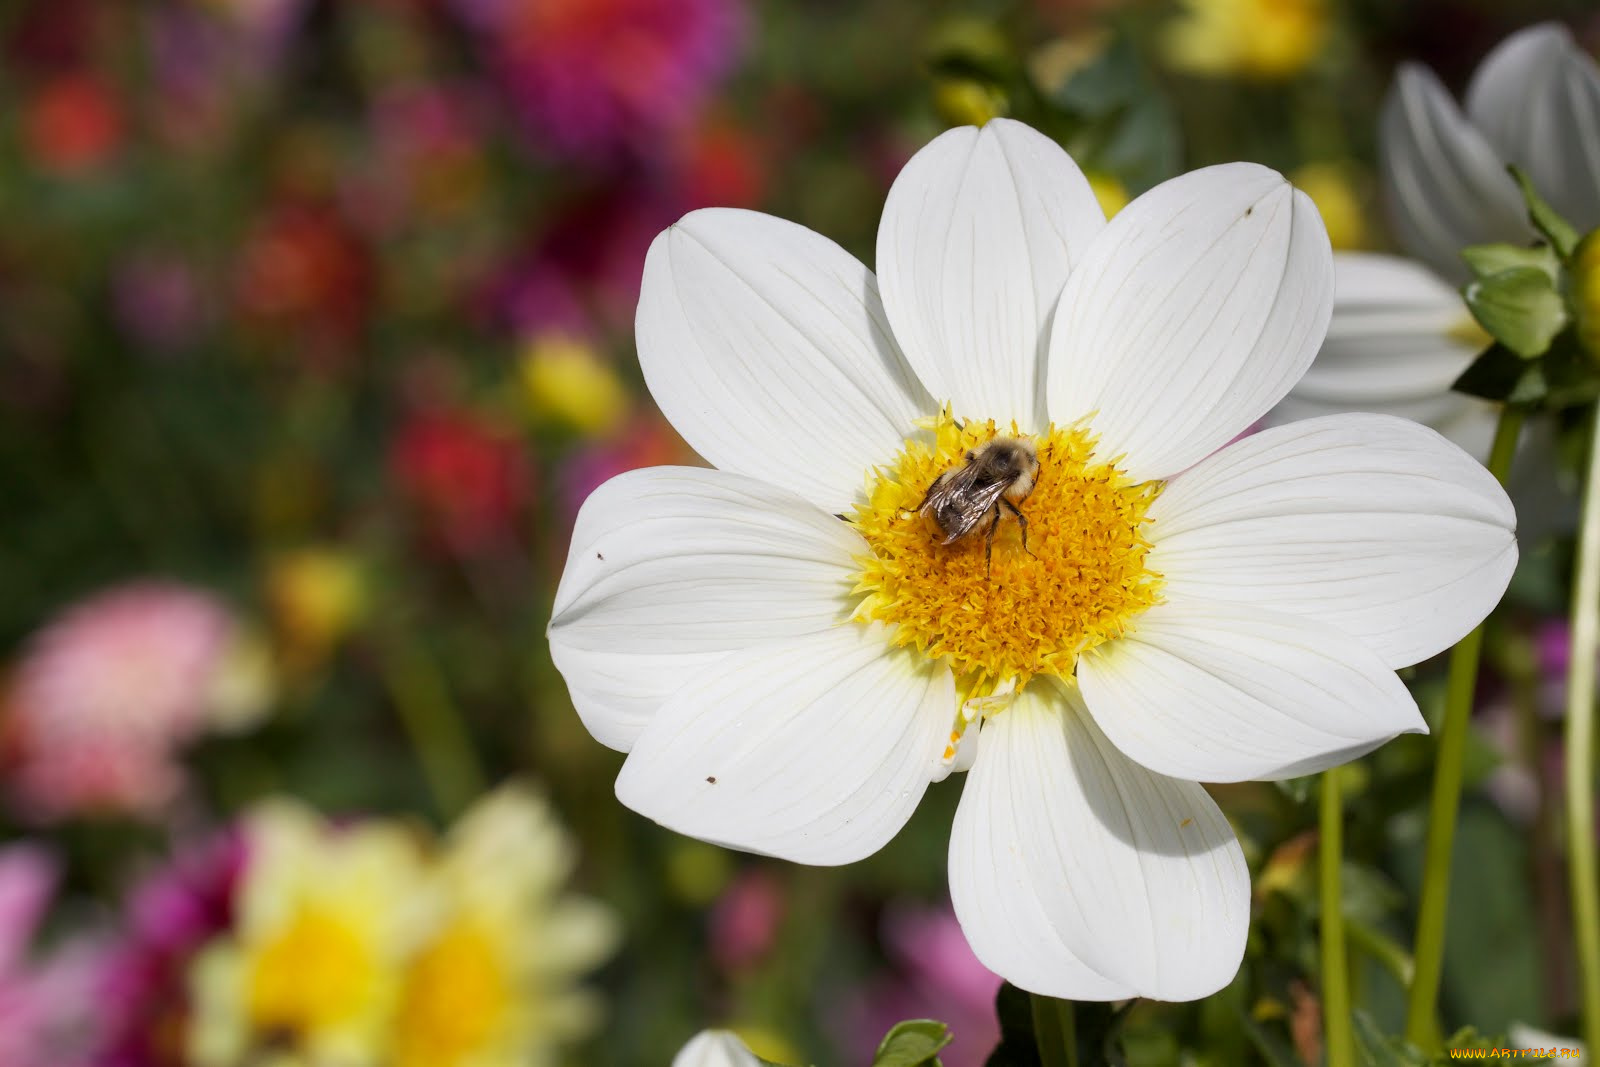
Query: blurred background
{"x": 315, "y": 331}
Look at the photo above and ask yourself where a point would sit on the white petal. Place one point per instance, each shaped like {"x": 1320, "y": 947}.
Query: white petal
{"x": 1191, "y": 315}
{"x": 1101, "y": 868}
{"x": 766, "y": 346}
{"x": 1398, "y": 333}
{"x": 1537, "y": 99}
{"x": 815, "y": 749}
{"x": 978, "y": 235}
{"x": 715, "y": 1048}
{"x": 1500, "y": 97}
{"x": 1372, "y": 524}
{"x": 671, "y": 568}
{"x": 993, "y": 891}
{"x": 1444, "y": 186}
{"x": 1226, "y": 692}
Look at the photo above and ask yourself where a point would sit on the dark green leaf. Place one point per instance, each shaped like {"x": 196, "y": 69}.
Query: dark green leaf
{"x": 1557, "y": 230}
{"x": 1374, "y": 1048}
{"x": 1519, "y": 307}
{"x": 914, "y": 1043}
{"x": 1017, "y": 1047}
{"x": 1488, "y": 260}
{"x": 1500, "y": 374}
{"x": 1273, "y": 1049}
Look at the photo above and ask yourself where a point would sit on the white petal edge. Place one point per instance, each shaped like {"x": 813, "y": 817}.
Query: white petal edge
{"x": 1220, "y": 692}
{"x": 671, "y": 568}
{"x": 1536, "y": 98}
{"x": 715, "y": 1048}
{"x": 1193, "y": 313}
{"x": 1499, "y": 97}
{"x": 979, "y": 232}
{"x": 766, "y": 346}
{"x": 814, "y": 749}
{"x": 1372, "y": 524}
{"x": 1106, "y": 880}
{"x": 1444, "y": 186}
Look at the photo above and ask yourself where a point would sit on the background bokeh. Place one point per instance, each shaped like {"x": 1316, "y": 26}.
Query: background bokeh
{"x": 315, "y": 331}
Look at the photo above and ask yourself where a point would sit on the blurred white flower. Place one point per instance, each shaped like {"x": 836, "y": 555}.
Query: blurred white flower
{"x": 789, "y": 683}
{"x": 715, "y": 1048}
{"x": 1401, "y": 333}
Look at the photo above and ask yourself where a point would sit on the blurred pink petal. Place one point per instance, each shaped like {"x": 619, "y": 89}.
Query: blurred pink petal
{"x": 106, "y": 695}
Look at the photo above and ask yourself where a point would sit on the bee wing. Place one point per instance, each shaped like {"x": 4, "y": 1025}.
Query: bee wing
{"x": 958, "y": 503}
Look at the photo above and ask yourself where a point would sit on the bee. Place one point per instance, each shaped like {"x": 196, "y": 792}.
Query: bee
{"x": 994, "y": 476}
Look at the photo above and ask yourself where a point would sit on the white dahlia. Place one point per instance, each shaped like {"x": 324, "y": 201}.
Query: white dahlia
{"x": 789, "y": 653}
{"x": 1401, "y": 334}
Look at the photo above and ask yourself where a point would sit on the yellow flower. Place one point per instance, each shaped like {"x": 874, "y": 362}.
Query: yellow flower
{"x": 316, "y": 595}
{"x": 326, "y": 919}
{"x": 1109, "y": 193}
{"x": 1262, "y": 39}
{"x": 495, "y": 983}
{"x": 1331, "y": 189}
{"x": 565, "y": 380}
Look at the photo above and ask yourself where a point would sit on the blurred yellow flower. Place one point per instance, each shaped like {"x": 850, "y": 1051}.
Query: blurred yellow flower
{"x": 360, "y": 948}
{"x": 967, "y": 101}
{"x": 495, "y": 984}
{"x": 1110, "y": 193}
{"x": 566, "y": 381}
{"x": 326, "y": 920}
{"x": 1261, "y": 39}
{"x": 1586, "y": 292}
{"x": 1331, "y": 188}
{"x": 316, "y": 595}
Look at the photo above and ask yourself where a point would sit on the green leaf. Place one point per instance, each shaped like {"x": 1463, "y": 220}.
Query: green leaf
{"x": 914, "y": 1043}
{"x": 1374, "y": 1048}
{"x": 1557, "y": 230}
{"x": 1519, "y": 307}
{"x": 1501, "y": 375}
{"x": 1118, "y": 118}
{"x": 1488, "y": 260}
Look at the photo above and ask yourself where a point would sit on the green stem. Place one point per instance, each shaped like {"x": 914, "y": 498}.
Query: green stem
{"x": 1421, "y": 1029}
{"x": 1580, "y": 750}
{"x": 1054, "y": 1031}
{"x": 438, "y": 736}
{"x": 1336, "y": 1019}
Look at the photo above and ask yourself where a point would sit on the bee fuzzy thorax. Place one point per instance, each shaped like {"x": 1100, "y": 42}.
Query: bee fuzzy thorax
{"x": 1000, "y": 600}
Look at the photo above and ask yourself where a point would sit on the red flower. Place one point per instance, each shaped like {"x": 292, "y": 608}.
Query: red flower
{"x": 467, "y": 479}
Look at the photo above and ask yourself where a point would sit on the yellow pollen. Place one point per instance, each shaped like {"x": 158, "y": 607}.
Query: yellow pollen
{"x": 1080, "y": 582}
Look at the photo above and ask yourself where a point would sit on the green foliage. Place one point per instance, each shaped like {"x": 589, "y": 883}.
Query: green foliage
{"x": 1519, "y": 307}
{"x": 914, "y": 1043}
{"x": 1555, "y": 229}
{"x": 1117, "y": 118}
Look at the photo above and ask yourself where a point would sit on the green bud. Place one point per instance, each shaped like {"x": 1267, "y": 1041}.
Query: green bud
{"x": 1584, "y": 293}
{"x": 1519, "y": 307}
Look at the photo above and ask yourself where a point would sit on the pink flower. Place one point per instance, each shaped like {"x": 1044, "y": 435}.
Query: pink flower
{"x": 745, "y": 920}
{"x": 598, "y": 79}
{"x": 169, "y": 918}
{"x": 46, "y": 1006}
{"x": 936, "y": 976}
{"x": 106, "y": 695}
{"x": 582, "y": 273}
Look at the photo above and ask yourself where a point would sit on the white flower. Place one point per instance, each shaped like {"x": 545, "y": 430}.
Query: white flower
{"x": 1401, "y": 333}
{"x": 788, "y": 683}
{"x": 715, "y": 1048}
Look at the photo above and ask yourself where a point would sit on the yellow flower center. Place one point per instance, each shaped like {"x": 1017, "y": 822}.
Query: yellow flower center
{"x": 1079, "y": 582}
{"x": 456, "y": 997}
{"x": 318, "y": 973}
